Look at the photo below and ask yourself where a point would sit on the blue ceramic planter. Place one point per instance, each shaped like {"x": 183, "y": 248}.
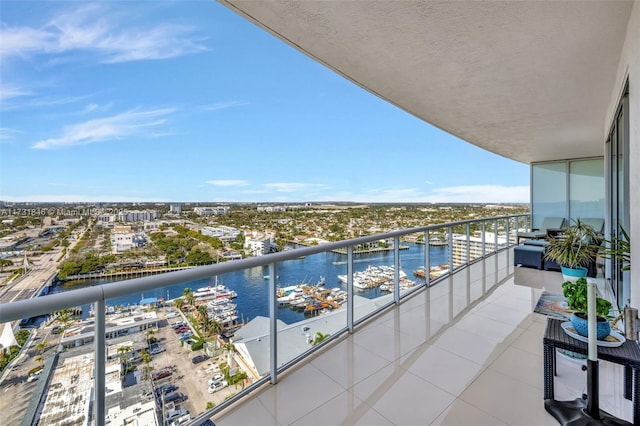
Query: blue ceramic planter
{"x": 572, "y": 274}
{"x": 581, "y": 326}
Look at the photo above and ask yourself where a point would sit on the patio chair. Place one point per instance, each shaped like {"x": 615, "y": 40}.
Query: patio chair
{"x": 538, "y": 233}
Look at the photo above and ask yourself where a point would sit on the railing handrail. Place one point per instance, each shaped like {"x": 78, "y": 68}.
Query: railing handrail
{"x": 53, "y": 302}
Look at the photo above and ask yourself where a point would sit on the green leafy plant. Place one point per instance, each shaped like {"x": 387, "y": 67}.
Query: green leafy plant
{"x": 620, "y": 248}
{"x": 576, "y": 295}
{"x": 575, "y": 246}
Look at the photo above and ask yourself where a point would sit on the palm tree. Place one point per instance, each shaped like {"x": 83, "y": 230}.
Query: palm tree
{"x": 188, "y": 296}
{"x": 146, "y": 358}
{"x": 179, "y": 302}
{"x": 203, "y": 313}
{"x": 124, "y": 359}
{"x": 40, "y": 359}
{"x": 230, "y": 348}
{"x": 41, "y": 347}
{"x": 216, "y": 326}
{"x": 150, "y": 334}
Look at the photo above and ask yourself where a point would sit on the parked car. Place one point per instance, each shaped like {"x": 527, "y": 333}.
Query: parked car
{"x": 215, "y": 379}
{"x": 174, "y": 397}
{"x": 56, "y": 329}
{"x": 199, "y": 358}
{"x": 166, "y": 389}
{"x": 185, "y": 335}
{"x": 182, "y": 329}
{"x": 156, "y": 349}
{"x": 34, "y": 376}
{"x": 217, "y": 386}
{"x": 179, "y": 324}
{"x": 157, "y": 375}
{"x": 174, "y": 414}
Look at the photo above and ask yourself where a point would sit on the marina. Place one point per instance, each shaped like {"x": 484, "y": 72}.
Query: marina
{"x": 252, "y": 289}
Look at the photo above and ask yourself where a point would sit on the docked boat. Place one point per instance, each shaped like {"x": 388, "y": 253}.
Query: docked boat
{"x": 373, "y": 276}
{"x": 213, "y": 291}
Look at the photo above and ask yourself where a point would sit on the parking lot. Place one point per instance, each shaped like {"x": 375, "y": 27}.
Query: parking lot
{"x": 191, "y": 379}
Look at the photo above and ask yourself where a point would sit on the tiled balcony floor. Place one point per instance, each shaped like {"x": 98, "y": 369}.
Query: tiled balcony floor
{"x": 413, "y": 365}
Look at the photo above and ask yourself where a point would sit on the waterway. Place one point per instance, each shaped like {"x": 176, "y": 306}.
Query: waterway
{"x": 252, "y": 287}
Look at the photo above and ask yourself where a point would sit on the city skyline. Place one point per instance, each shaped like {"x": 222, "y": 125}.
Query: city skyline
{"x": 162, "y": 102}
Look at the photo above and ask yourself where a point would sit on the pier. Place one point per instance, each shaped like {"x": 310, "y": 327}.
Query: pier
{"x": 124, "y": 274}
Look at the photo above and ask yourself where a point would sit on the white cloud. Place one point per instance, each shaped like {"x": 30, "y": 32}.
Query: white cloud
{"x": 480, "y": 194}
{"x": 227, "y": 182}
{"x": 7, "y": 134}
{"x": 127, "y": 124}
{"x": 10, "y": 91}
{"x": 223, "y": 105}
{"x": 94, "y": 28}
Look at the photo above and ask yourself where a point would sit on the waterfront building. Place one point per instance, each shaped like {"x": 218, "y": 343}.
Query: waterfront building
{"x": 459, "y": 251}
{"x": 259, "y": 243}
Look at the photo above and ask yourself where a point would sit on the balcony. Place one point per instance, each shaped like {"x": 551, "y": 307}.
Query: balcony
{"x": 463, "y": 346}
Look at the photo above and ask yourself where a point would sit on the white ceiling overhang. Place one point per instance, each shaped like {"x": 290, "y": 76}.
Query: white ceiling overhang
{"x": 529, "y": 80}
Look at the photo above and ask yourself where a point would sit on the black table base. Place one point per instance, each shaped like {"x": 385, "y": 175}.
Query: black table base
{"x": 574, "y": 413}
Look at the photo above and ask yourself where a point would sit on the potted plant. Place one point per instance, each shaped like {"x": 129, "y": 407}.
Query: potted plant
{"x": 576, "y": 294}
{"x": 573, "y": 249}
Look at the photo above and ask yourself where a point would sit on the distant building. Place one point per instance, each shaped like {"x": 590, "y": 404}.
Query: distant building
{"x": 224, "y": 233}
{"x": 259, "y": 243}
{"x": 121, "y": 242}
{"x": 211, "y": 211}
{"x": 137, "y": 215}
{"x": 175, "y": 208}
{"x": 459, "y": 249}
{"x": 272, "y": 208}
{"x": 231, "y": 255}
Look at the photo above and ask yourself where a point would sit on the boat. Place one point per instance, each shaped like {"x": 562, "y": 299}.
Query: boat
{"x": 213, "y": 291}
{"x": 373, "y": 276}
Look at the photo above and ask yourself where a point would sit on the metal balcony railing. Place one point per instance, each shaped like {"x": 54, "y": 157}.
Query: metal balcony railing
{"x": 494, "y": 235}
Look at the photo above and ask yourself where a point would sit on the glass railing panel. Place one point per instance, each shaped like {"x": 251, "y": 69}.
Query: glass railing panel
{"x": 461, "y": 291}
{"x": 459, "y": 249}
{"x": 477, "y": 280}
{"x": 412, "y": 271}
{"x": 373, "y": 273}
{"x": 312, "y": 300}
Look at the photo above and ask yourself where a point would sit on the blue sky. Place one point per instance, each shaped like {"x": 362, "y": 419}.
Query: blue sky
{"x": 187, "y": 101}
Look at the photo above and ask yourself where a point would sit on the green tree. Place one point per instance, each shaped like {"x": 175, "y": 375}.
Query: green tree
{"x": 188, "y": 296}
{"x": 179, "y": 303}
{"x": 123, "y": 353}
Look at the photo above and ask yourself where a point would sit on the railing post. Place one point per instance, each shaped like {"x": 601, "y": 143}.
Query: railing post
{"x": 396, "y": 269}
{"x": 484, "y": 239}
{"x": 427, "y": 258}
{"x": 450, "y": 242}
{"x": 508, "y": 230}
{"x": 99, "y": 358}
{"x": 468, "y": 231}
{"x": 350, "y": 288}
{"x": 495, "y": 235}
{"x": 273, "y": 324}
